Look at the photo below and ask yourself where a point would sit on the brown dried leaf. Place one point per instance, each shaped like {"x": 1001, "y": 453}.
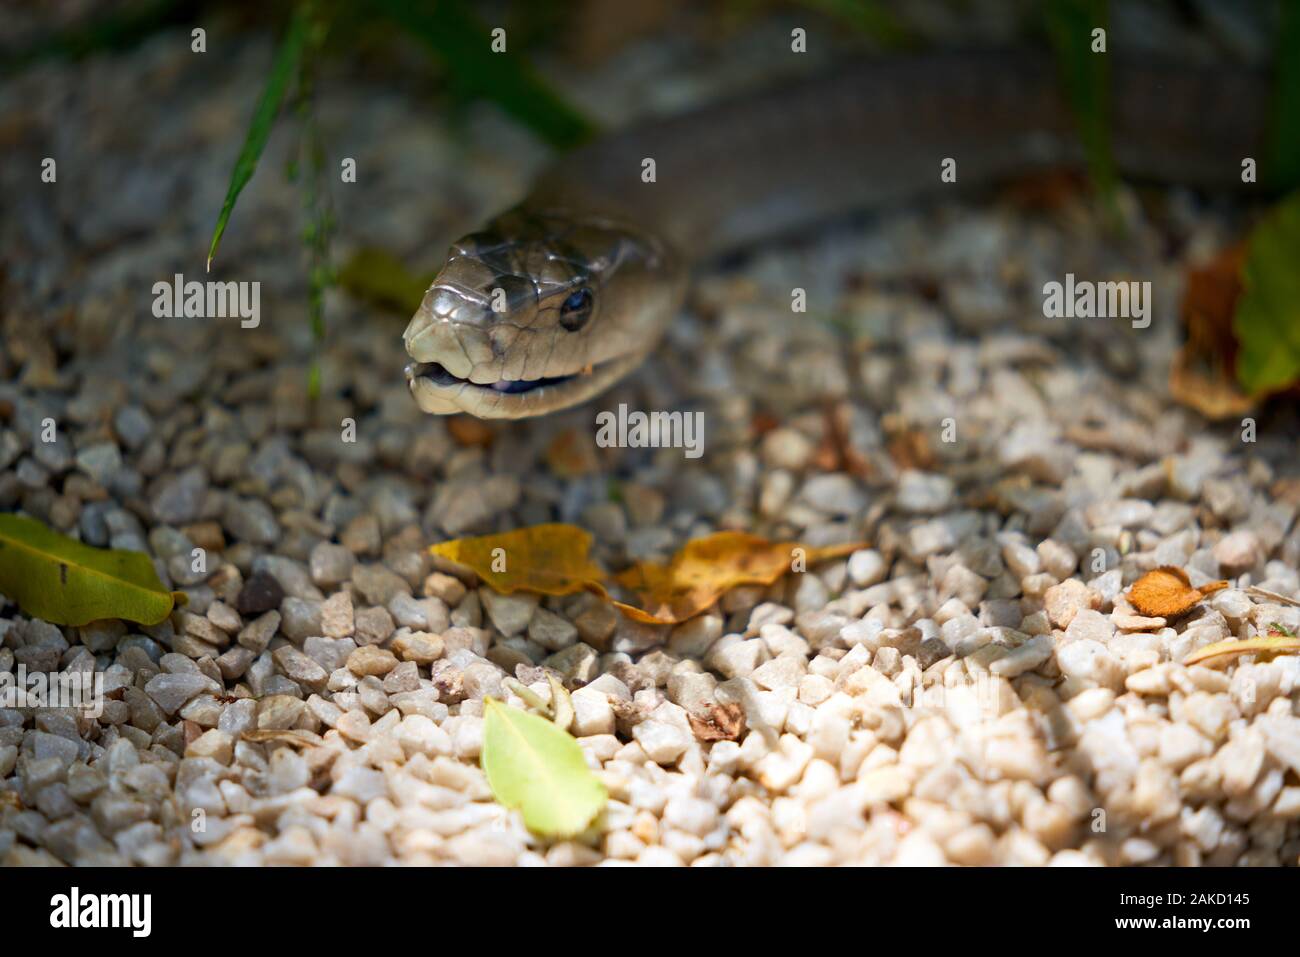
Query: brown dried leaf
{"x": 718, "y": 722}
{"x": 706, "y": 568}
{"x": 1166, "y": 592}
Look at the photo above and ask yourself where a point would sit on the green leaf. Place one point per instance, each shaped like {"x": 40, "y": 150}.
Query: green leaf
{"x": 283, "y": 69}
{"x": 58, "y": 579}
{"x": 535, "y": 767}
{"x": 1267, "y": 320}
{"x": 461, "y": 41}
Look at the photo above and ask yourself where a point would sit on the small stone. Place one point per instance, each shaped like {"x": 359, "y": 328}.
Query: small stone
{"x": 330, "y": 565}
{"x": 834, "y": 493}
{"x": 1062, "y": 602}
{"x": 1024, "y": 657}
{"x": 300, "y": 668}
{"x": 867, "y": 567}
{"x": 377, "y": 584}
{"x": 101, "y": 461}
{"x": 1089, "y": 625}
{"x": 593, "y": 713}
{"x": 1090, "y": 663}
{"x": 924, "y": 493}
{"x": 371, "y": 660}
{"x": 362, "y": 535}
{"x": 446, "y": 587}
{"x": 250, "y": 520}
{"x": 695, "y": 636}
{"x": 279, "y": 712}
{"x": 423, "y": 648}
{"x": 171, "y": 691}
{"x": 663, "y": 743}
{"x": 257, "y": 634}
{"x": 336, "y": 616}
{"x": 1237, "y": 552}
{"x": 551, "y": 631}
{"x": 509, "y": 613}
{"x": 373, "y": 626}
{"x": 260, "y": 593}
{"x": 178, "y": 499}
{"x": 300, "y": 618}
{"x": 214, "y": 744}
{"x": 1124, "y": 513}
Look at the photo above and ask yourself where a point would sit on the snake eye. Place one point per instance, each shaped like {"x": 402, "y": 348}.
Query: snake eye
{"x": 576, "y": 310}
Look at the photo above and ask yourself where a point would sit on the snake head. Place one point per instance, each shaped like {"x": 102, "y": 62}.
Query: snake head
{"x": 538, "y": 312}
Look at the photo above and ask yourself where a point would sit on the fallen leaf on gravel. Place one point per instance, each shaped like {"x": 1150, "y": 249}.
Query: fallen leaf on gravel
{"x": 1266, "y": 646}
{"x": 719, "y": 722}
{"x": 706, "y": 568}
{"x": 552, "y": 559}
{"x": 538, "y": 769}
{"x": 1166, "y": 592}
{"x": 56, "y": 578}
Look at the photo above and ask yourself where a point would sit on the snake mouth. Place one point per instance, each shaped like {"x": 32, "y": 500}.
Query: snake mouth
{"x": 439, "y": 375}
{"x": 440, "y": 392}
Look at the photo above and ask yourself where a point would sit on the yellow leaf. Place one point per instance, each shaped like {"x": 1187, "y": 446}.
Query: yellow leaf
{"x": 549, "y": 559}
{"x": 1270, "y": 645}
{"x": 1166, "y": 592}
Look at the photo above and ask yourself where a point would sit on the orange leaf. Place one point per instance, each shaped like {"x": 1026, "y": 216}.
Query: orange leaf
{"x": 551, "y": 559}
{"x": 1166, "y": 592}
{"x": 707, "y": 567}
{"x": 1265, "y": 647}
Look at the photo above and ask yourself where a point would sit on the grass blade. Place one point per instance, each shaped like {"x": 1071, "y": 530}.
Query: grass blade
{"x": 285, "y": 67}
{"x": 1086, "y": 78}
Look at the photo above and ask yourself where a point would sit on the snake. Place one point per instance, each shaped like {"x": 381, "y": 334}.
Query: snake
{"x": 568, "y": 291}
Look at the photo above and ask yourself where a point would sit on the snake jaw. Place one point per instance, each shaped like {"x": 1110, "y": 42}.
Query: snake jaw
{"x": 439, "y": 392}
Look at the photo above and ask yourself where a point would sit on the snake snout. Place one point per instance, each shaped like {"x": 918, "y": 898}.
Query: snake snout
{"x": 458, "y": 346}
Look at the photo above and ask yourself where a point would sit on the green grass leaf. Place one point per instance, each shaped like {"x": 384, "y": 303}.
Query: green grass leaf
{"x": 535, "y": 767}
{"x": 463, "y": 43}
{"x": 58, "y": 579}
{"x": 1086, "y": 78}
{"x": 1267, "y": 320}
{"x": 283, "y": 69}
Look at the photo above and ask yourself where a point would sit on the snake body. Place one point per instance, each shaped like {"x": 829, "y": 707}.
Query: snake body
{"x": 565, "y": 293}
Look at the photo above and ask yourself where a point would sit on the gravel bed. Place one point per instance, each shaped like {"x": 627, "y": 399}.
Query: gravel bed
{"x": 972, "y": 688}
